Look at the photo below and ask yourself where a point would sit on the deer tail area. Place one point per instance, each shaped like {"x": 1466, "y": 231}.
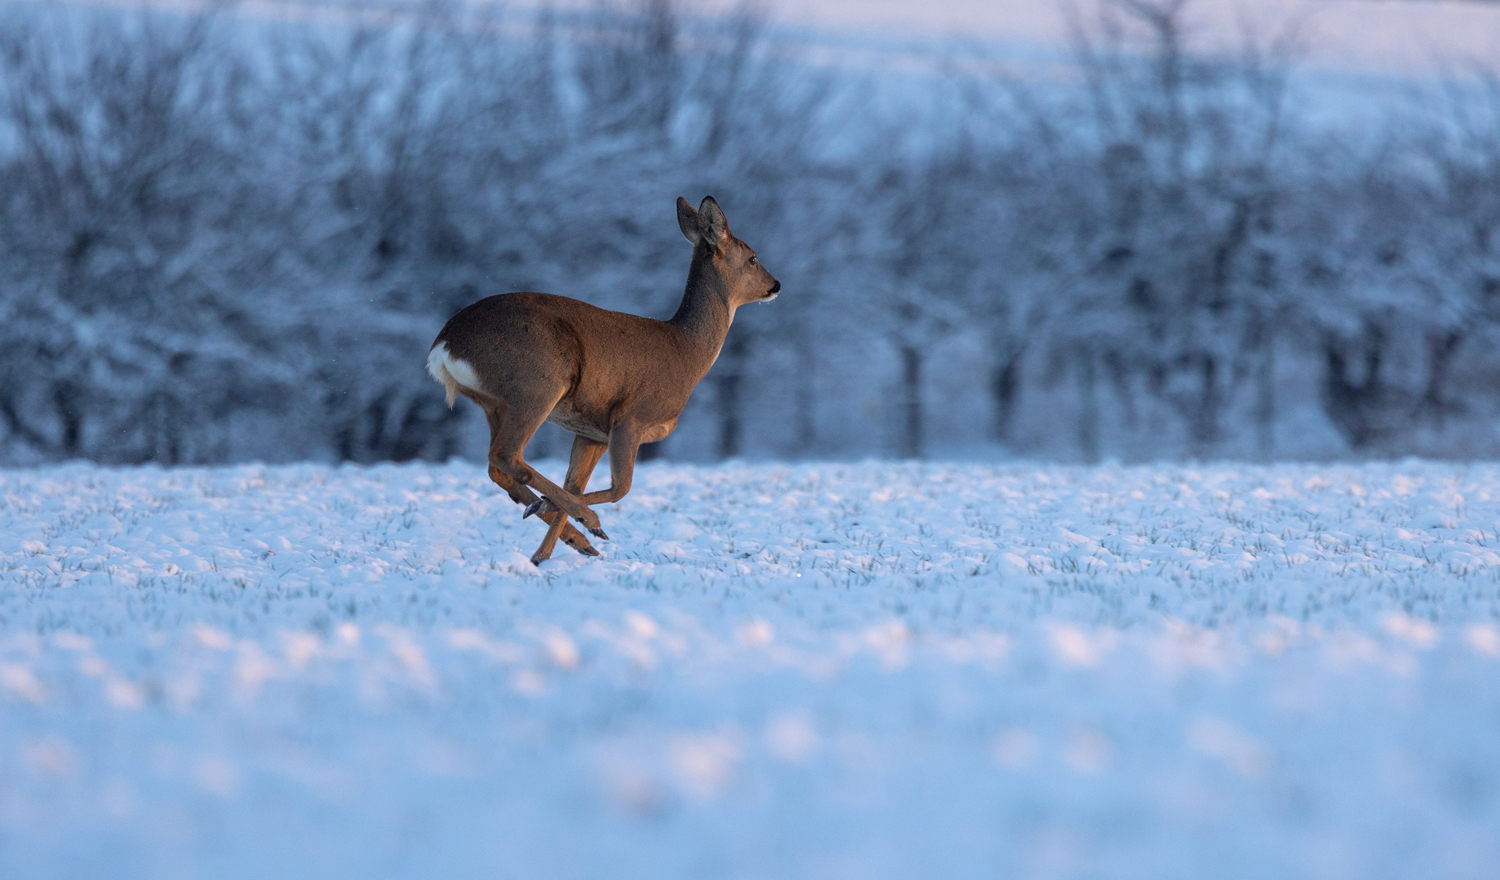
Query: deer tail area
{"x": 450, "y": 371}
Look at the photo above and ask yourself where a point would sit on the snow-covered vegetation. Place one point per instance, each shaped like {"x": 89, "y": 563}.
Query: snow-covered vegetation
{"x": 821, "y": 671}
{"x": 232, "y": 238}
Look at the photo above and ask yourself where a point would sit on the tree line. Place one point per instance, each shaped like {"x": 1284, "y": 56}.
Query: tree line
{"x": 224, "y": 238}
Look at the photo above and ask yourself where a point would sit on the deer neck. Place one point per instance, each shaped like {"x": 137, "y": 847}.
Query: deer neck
{"x": 705, "y": 314}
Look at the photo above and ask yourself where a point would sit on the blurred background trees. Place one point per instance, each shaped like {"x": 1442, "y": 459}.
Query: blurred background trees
{"x": 225, "y": 238}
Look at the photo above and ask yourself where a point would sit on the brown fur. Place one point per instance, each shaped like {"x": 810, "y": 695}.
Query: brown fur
{"x": 613, "y": 379}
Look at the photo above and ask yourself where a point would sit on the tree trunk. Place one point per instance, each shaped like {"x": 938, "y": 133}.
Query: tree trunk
{"x": 1088, "y": 407}
{"x": 807, "y": 397}
{"x": 1205, "y": 419}
{"x": 1265, "y": 400}
{"x": 729, "y": 386}
{"x": 911, "y": 402}
{"x": 1441, "y": 346}
{"x": 65, "y": 398}
{"x": 1005, "y": 389}
{"x": 1356, "y": 404}
{"x": 20, "y": 428}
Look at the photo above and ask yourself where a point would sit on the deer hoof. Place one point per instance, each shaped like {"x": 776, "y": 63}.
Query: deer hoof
{"x": 533, "y": 508}
{"x": 598, "y": 533}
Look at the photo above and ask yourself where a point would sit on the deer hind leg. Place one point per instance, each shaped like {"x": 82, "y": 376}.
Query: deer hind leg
{"x": 525, "y": 497}
{"x": 581, "y": 462}
{"x": 511, "y": 427}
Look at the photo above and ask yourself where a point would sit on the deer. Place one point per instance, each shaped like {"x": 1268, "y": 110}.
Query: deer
{"x": 615, "y": 380}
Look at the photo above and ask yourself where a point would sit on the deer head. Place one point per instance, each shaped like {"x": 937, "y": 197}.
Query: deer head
{"x": 720, "y": 260}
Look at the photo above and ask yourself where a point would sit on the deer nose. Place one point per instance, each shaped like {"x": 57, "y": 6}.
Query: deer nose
{"x": 775, "y": 288}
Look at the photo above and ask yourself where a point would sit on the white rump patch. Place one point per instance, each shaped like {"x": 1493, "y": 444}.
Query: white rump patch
{"x": 452, "y": 372}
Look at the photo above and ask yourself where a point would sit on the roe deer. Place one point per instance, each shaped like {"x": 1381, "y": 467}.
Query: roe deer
{"x": 615, "y": 380}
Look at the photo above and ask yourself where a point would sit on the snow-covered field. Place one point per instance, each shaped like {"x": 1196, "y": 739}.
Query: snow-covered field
{"x": 811, "y": 671}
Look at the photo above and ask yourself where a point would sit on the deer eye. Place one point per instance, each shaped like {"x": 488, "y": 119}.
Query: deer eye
{"x": 752, "y": 259}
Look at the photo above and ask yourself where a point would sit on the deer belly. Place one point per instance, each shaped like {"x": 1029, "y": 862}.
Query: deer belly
{"x": 659, "y": 432}
{"x": 564, "y": 416}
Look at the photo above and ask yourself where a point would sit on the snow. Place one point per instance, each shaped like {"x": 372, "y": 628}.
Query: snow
{"x": 855, "y": 670}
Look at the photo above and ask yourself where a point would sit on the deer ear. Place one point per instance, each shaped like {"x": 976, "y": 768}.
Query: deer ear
{"x": 687, "y": 221}
{"x": 711, "y": 221}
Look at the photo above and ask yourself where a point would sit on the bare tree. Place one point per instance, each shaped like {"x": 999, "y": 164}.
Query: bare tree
{"x": 1177, "y": 235}
{"x": 123, "y": 230}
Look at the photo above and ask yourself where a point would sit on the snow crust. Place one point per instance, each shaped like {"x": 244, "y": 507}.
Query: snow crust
{"x": 863, "y": 670}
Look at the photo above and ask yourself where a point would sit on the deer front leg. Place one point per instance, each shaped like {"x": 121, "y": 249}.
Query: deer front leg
{"x": 581, "y": 462}
{"x": 522, "y": 495}
{"x": 624, "y": 443}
